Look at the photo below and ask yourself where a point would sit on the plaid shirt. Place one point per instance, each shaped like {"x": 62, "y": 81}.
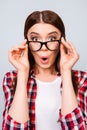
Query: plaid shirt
{"x": 76, "y": 120}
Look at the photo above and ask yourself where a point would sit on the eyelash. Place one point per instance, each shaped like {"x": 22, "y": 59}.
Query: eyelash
{"x": 34, "y": 38}
{"x": 50, "y": 38}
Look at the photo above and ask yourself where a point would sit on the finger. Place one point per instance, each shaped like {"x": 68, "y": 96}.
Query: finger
{"x": 62, "y": 50}
{"x": 24, "y": 42}
{"x": 72, "y": 47}
{"x": 17, "y": 50}
{"x": 66, "y": 44}
{"x": 25, "y": 51}
{"x": 74, "y": 51}
{"x": 22, "y": 45}
{"x": 19, "y": 47}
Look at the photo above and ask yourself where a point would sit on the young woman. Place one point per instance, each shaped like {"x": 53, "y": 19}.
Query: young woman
{"x": 44, "y": 93}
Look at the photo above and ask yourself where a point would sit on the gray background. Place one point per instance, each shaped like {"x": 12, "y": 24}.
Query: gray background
{"x": 13, "y": 15}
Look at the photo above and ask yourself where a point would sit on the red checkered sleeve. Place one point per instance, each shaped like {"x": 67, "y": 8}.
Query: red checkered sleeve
{"x": 73, "y": 121}
{"x": 77, "y": 119}
{"x": 8, "y": 87}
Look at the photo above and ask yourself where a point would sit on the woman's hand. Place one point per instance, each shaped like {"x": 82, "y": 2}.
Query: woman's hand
{"x": 18, "y": 57}
{"x": 69, "y": 55}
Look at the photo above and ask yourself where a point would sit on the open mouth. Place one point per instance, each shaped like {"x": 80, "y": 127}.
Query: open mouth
{"x": 44, "y": 60}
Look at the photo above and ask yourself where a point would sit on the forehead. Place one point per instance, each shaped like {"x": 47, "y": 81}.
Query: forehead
{"x": 43, "y": 28}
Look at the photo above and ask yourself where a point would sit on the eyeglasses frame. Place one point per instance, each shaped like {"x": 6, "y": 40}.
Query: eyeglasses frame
{"x": 44, "y": 43}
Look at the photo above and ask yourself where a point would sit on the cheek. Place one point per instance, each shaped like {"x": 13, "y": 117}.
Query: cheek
{"x": 54, "y": 55}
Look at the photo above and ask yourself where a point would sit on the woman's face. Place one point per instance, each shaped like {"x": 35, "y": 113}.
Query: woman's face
{"x": 43, "y": 32}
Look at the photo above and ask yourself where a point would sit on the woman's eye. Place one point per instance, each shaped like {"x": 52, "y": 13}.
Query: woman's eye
{"x": 34, "y": 38}
{"x": 52, "y": 38}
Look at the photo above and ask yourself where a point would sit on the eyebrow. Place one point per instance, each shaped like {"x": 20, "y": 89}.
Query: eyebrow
{"x": 54, "y": 32}
{"x": 34, "y": 33}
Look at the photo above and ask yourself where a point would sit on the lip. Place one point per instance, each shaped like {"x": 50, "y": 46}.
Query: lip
{"x": 44, "y": 59}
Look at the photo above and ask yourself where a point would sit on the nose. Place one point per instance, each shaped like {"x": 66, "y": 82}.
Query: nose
{"x": 44, "y": 47}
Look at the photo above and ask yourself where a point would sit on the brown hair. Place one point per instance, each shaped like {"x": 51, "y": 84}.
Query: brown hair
{"x": 54, "y": 19}
{"x": 45, "y": 16}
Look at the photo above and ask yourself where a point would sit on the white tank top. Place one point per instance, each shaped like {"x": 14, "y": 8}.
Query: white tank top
{"x": 47, "y": 105}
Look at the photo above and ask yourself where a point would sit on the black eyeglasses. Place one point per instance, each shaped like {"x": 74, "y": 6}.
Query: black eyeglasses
{"x": 50, "y": 45}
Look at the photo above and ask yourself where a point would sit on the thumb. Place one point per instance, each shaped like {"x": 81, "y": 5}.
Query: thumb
{"x": 62, "y": 50}
{"x": 26, "y": 51}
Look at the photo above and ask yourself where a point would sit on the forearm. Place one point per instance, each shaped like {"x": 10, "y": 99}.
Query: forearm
{"x": 69, "y": 100}
{"x": 19, "y": 107}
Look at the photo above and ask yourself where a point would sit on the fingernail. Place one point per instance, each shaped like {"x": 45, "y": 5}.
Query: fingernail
{"x": 26, "y": 45}
{"x": 25, "y": 40}
{"x": 62, "y": 38}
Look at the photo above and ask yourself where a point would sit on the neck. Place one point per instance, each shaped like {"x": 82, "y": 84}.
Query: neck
{"x": 46, "y": 71}
{"x": 45, "y": 74}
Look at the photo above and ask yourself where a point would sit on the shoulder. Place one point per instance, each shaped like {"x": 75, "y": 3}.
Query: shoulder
{"x": 79, "y": 73}
{"x": 81, "y": 78}
{"x": 9, "y": 78}
{"x": 10, "y": 75}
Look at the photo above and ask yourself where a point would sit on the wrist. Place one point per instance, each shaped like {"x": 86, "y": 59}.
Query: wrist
{"x": 66, "y": 76}
{"x": 22, "y": 77}
{"x": 23, "y": 73}
{"x": 65, "y": 71}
